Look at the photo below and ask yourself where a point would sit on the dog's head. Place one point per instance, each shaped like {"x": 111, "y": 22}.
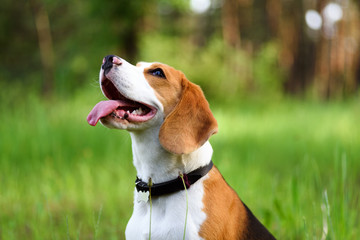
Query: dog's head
{"x": 154, "y": 95}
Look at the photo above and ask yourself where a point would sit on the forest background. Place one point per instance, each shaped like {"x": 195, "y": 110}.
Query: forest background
{"x": 282, "y": 78}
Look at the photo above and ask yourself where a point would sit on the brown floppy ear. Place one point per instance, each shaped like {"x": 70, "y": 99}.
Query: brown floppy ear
{"x": 190, "y": 124}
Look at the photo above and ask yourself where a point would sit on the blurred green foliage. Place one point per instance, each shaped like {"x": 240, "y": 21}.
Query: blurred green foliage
{"x": 82, "y": 32}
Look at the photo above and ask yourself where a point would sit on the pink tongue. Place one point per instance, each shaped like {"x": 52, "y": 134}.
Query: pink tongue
{"x": 102, "y": 109}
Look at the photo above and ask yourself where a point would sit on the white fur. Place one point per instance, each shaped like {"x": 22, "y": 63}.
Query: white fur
{"x": 131, "y": 82}
{"x": 151, "y": 160}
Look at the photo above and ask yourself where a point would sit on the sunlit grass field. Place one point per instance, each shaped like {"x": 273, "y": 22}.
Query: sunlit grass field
{"x": 295, "y": 164}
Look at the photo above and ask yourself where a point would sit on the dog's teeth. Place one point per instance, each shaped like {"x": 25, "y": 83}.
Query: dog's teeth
{"x": 139, "y": 111}
{"x": 136, "y": 112}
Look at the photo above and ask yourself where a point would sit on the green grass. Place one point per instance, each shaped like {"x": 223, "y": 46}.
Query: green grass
{"x": 295, "y": 164}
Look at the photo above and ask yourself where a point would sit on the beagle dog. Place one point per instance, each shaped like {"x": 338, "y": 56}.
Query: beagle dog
{"x": 178, "y": 192}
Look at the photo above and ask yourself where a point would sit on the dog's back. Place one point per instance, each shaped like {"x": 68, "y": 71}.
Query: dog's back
{"x": 227, "y": 216}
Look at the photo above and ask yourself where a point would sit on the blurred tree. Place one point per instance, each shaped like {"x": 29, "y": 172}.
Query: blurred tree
{"x": 337, "y": 54}
{"x": 297, "y": 51}
{"x": 259, "y": 44}
{"x": 230, "y": 22}
{"x": 124, "y": 20}
{"x": 42, "y": 24}
{"x": 312, "y": 59}
{"x": 18, "y": 41}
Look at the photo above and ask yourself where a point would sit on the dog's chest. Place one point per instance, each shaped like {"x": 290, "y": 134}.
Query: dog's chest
{"x": 168, "y": 215}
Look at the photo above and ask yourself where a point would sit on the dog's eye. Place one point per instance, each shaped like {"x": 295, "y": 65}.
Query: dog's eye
{"x": 158, "y": 72}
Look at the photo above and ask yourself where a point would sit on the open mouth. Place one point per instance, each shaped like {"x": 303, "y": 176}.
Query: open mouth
{"x": 119, "y": 107}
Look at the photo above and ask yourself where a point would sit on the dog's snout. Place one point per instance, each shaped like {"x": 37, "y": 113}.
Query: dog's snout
{"x": 109, "y": 61}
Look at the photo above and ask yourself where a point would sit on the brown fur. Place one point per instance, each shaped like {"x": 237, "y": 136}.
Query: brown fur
{"x": 227, "y": 216}
{"x": 168, "y": 90}
{"x": 189, "y": 122}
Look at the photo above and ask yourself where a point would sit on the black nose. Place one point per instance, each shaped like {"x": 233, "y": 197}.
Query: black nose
{"x": 109, "y": 61}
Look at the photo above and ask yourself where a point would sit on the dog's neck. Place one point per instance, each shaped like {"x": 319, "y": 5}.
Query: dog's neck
{"x": 151, "y": 160}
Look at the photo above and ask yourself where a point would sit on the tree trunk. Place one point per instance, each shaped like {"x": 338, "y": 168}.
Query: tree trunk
{"x": 338, "y": 57}
{"x": 297, "y": 50}
{"x": 42, "y": 25}
{"x": 230, "y": 23}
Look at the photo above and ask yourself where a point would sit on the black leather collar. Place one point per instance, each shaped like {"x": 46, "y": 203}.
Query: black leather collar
{"x": 158, "y": 189}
